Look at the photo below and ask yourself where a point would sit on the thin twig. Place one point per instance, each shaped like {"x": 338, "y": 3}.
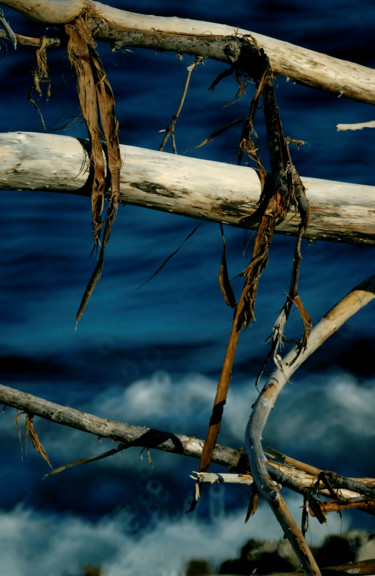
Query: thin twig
{"x": 170, "y": 131}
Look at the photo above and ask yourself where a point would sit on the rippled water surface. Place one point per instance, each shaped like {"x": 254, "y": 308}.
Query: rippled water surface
{"x": 150, "y": 353}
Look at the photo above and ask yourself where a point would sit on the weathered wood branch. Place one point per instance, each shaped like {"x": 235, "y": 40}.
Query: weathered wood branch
{"x": 121, "y": 432}
{"x": 330, "y": 323}
{"x": 128, "y": 435}
{"x": 49, "y": 11}
{"x": 208, "y": 40}
{"x": 227, "y": 193}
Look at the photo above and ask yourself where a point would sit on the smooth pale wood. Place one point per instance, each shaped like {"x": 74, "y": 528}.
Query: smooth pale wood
{"x": 123, "y": 28}
{"x": 222, "y": 478}
{"x": 49, "y": 11}
{"x": 200, "y": 189}
{"x": 356, "y": 126}
{"x": 305, "y": 66}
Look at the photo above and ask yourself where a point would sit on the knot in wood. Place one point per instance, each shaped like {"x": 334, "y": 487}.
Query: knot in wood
{"x": 232, "y": 51}
{"x": 275, "y": 496}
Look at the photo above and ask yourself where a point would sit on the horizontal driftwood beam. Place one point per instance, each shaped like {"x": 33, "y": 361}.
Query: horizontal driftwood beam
{"x": 195, "y": 188}
{"x": 205, "y": 39}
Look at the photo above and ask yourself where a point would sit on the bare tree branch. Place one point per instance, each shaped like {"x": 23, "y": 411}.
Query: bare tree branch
{"x": 117, "y": 431}
{"x": 331, "y": 322}
{"x": 207, "y": 40}
{"x": 302, "y": 476}
{"x": 49, "y": 11}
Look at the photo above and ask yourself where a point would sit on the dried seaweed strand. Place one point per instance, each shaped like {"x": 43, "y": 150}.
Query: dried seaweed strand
{"x": 40, "y": 74}
{"x": 29, "y": 424}
{"x": 278, "y": 194}
{"x": 224, "y": 281}
{"x": 80, "y": 51}
{"x": 98, "y": 109}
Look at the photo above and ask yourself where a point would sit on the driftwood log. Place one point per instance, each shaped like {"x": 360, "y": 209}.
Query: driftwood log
{"x": 206, "y": 39}
{"x": 287, "y": 472}
{"x": 227, "y": 193}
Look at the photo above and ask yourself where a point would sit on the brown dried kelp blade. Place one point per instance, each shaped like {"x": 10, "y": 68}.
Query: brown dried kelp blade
{"x": 80, "y": 51}
{"x": 35, "y": 439}
{"x": 253, "y": 503}
{"x": 98, "y": 109}
{"x": 278, "y": 194}
{"x": 224, "y": 281}
{"x": 119, "y": 448}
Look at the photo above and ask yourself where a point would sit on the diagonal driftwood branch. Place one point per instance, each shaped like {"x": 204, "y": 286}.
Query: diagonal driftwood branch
{"x": 124, "y": 433}
{"x": 300, "y": 474}
{"x": 205, "y": 39}
{"x": 347, "y": 307}
{"x": 228, "y": 193}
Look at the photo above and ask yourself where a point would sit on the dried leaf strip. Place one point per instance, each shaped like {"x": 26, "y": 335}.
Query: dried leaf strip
{"x": 98, "y": 109}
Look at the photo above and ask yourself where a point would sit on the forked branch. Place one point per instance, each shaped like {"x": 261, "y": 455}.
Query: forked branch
{"x": 286, "y": 471}
{"x": 329, "y": 324}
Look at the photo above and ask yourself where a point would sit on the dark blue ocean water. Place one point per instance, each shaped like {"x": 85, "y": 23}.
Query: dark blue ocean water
{"x": 152, "y": 355}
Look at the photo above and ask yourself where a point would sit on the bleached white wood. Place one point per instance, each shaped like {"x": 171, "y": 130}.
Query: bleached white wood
{"x": 308, "y": 67}
{"x": 121, "y": 27}
{"x": 200, "y": 189}
{"x": 356, "y": 126}
{"x": 222, "y": 478}
{"x": 50, "y": 11}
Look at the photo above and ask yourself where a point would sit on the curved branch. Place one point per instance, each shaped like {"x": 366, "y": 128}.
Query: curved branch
{"x": 330, "y": 323}
{"x": 228, "y": 193}
{"x": 206, "y": 39}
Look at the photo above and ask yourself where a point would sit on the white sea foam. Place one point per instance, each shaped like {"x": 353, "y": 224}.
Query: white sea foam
{"x": 331, "y": 414}
{"x": 60, "y": 544}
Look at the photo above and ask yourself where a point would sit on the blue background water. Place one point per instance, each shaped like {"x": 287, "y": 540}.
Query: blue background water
{"x": 152, "y": 356}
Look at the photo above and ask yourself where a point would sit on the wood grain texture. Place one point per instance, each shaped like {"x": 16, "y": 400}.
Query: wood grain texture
{"x": 200, "y": 189}
{"x": 124, "y": 28}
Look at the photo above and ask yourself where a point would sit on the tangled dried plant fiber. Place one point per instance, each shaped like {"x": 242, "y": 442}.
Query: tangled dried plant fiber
{"x": 98, "y": 109}
{"x": 281, "y": 189}
{"x": 40, "y": 74}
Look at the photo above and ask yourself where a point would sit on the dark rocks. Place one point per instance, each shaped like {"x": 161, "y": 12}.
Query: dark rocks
{"x": 264, "y": 557}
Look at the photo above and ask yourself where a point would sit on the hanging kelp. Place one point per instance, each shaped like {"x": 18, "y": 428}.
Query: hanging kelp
{"x": 98, "y": 109}
{"x": 282, "y": 189}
